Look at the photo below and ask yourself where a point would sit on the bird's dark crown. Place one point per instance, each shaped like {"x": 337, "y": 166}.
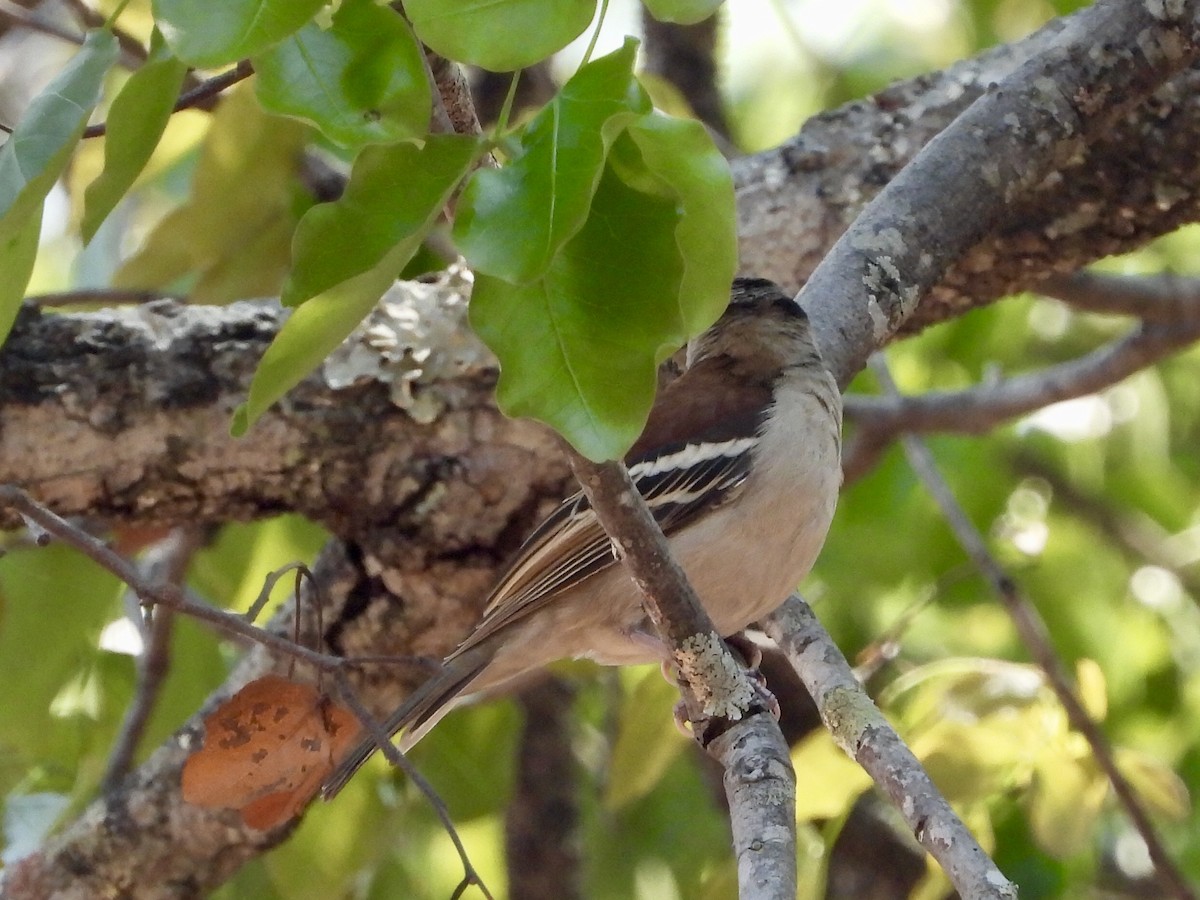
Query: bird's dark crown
{"x": 759, "y": 296}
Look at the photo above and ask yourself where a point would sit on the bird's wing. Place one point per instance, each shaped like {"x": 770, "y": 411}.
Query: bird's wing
{"x": 679, "y": 483}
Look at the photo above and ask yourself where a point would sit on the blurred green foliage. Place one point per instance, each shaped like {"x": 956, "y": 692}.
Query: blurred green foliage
{"x": 958, "y": 685}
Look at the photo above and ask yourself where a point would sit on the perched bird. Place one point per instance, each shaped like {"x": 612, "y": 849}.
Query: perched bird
{"x": 739, "y": 463}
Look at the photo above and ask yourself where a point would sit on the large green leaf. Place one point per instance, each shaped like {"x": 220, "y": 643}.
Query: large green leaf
{"x": 135, "y": 122}
{"x": 361, "y": 81}
{"x": 579, "y": 348}
{"x": 676, "y": 159}
{"x": 501, "y": 35}
{"x": 36, "y": 153}
{"x": 232, "y": 233}
{"x": 393, "y": 196}
{"x": 512, "y": 221}
{"x": 215, "y": 34}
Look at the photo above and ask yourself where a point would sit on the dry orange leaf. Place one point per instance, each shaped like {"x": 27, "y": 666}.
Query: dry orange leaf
{"x": 267, "y": 749}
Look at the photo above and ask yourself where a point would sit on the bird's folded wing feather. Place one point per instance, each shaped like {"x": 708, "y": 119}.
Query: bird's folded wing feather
{"x": 678, "y": 483}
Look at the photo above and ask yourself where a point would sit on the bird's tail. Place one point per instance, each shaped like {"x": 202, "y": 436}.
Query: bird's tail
{"x": 417, "y": 715}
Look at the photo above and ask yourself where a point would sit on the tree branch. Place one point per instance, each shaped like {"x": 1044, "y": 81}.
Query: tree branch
{"x": 968, "y": 180}
{"x": 978, "y": 409}
{"x": 1136, "y": 178}
{"x": 717, "y": 694}
{"x": 1162, "y": 298}
{"x": 1036, "y": 638}
{"x": 860, "y": 729}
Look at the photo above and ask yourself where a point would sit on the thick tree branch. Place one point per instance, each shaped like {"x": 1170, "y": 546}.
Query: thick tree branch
{"x": 1136, "y": 178}
{"x": 968, "y": 180}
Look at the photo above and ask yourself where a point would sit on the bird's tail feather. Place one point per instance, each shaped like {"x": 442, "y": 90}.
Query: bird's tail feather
{"x": 419, "y": 713}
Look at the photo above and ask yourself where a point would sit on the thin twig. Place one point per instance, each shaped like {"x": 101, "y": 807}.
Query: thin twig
{"x": 153, "y": 664}
{"x": 861, "y": 730}
{"x": 975, "y": 410}
{"x": 1035, "y": 636}
{"x": 728, "y": 716}
{"x": 19, "y": 15}
{"x": 393, "y": 755}
{"x": 197, "y": 96}
{"x": 104, "y": 296}
{"x": 172, "y": 596}
{"x": 1165, "y": 298}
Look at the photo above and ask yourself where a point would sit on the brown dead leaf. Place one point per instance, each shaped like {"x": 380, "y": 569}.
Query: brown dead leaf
{"x": 267, "y": 749}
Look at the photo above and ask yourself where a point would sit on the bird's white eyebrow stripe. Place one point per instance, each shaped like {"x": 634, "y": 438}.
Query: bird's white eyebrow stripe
{"x": 691, "y": 455}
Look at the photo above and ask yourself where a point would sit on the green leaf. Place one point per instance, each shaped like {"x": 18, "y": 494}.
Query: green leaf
{"x": 1064, "y": 801}
{"x": 232, "y": 232}
{"x": 677, "y": 160}
{"x": 647, "y": 742}
{"x": 831, "y": 781}
{"x": 579, "y": 348}
{"x": 135, "y": 123}
{"x": 208, "y": 34}
{"x": 684, "y": 12}
{"x": 361, "y": 81}
{"x": 1161, "y": 790}
{"x": 18, "y": 251}
{"x": 312, "y": 332}
{"x": 35, "y": 154}
{"x": 512, "y": 221}
{"x": 394, "y": 195}
{"x": 500, "y": 35}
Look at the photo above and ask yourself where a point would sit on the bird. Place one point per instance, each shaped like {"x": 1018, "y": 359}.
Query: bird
{"x": 740, "y": 464}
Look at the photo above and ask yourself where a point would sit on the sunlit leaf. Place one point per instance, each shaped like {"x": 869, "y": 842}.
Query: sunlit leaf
{"x": 511, "y": 222}
{"x": 362, "y": 80}
{"x": 18, "y": 252}
{"x": 1159, "y": 788}
{"x": 1064, "y": 801}
{"x": 484, "y": 34}
{"x": 243, "y": 194}
{"x": 827, "y": 781}
{"x": 207, "y": 35}
{"x": 394, "y": 195}
{"x": 647, "y": 742}
{"x": 135, "y": 122}
{"x": 308, "y": 336}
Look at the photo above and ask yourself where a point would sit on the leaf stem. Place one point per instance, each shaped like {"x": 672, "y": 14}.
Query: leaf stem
{"x": 587, "y": 55}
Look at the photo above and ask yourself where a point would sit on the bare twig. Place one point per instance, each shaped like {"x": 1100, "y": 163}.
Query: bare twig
{"x": 393, "y": 755}
{"x": 1036, "y": 639}
{"x": 170, "y": 595}
{"x": 19, "y": 15}
{"x": 452, "y": 98}
{"x": 1165, "y": 298}
{"x": 167, "y": 565}
{"x": 197, "y": 96}
{"x": 861, "y": 730}
{"x": 171, "y": 598}
{"x": 975, "y": 410}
